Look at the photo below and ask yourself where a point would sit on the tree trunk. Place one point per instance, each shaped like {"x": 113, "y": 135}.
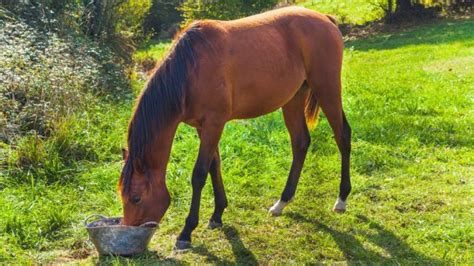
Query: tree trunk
{"x": 403, "y": 6}
{"x": 390, "y": 7}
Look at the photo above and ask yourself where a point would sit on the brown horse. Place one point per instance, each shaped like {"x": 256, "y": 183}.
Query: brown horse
{"x": 218, "y": 71}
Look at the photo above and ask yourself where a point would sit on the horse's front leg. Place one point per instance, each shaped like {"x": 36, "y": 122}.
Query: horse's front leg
{"x": 210, "y": 134}
{"x": 220, "y": 198}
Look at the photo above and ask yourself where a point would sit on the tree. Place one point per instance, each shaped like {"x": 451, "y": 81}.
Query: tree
{"x": 109, "y": 18}
{"x": 163, "y": 16}
{"x": 411, "y": 9}
{"x": 224, "y": 10}
{"x": 403, "y": 6}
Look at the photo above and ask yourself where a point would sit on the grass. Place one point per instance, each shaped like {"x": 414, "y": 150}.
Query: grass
{"x": 348, "y": 11}
{"x": 154, "y": 49}
{"x": 409, "y": 99}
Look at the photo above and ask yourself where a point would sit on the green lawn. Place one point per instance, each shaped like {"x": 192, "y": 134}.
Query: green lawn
{"x": 348, "y": 11}
{"x": 409, "y": 98}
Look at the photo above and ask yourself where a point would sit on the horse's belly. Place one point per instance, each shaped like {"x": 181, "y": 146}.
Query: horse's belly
{"x": 261, "y": 99}
{"x": 263, "y": 88}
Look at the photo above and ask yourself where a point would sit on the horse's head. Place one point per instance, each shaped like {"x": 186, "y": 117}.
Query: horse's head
{"x": 145, "y": 198}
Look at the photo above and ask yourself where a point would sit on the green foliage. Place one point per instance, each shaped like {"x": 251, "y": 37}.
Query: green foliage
{"x": 46, "y": 78}
{"x": 51, "y": 85}
{"x": 131, "y": 15}
{"x": 118, "y": 23}
{"x": 223, "y": 10}
{"x": 115, "y": 22}
{"x": 164, "y": 18}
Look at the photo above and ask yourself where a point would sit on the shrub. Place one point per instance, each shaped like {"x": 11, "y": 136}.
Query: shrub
{"x": 131, "y": 15}
{"x": 116, "y": 23}
{"x": 46, "y": 78}
{"x": 164, "y": 18}
{"x": 50, "y": 81}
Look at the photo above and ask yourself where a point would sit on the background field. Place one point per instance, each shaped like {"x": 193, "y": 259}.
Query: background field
{"x": 348, "y": 11}
{"x": 408, "y": 96}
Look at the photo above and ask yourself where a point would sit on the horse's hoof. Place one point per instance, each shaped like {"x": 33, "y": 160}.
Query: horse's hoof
{"x": 339, "y": 206}
{"x": 278, "y": 207}
{"x": 182, "y": 245}
{"x": 214, "y": 224}
{"x": 275, "y": 211}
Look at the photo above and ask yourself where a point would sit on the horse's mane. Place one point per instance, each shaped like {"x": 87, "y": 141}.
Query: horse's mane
{"x": 162, "y": 99}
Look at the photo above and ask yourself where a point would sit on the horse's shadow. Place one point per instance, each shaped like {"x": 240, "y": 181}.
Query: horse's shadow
{"x": 241, "y": 253}
{"x": 355, "y": 252}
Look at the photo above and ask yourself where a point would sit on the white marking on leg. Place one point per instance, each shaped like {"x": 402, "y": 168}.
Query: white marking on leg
{"x": 278, "y": 207}
{"x": 339, "y": 206}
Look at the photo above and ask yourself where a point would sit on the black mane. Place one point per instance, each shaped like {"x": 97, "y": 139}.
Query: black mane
{"x": 162, "y": 99}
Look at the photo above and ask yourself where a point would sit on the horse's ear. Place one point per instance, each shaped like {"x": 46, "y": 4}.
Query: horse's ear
{"x": 124, "y": 154}
{"x": 138, "y": 165}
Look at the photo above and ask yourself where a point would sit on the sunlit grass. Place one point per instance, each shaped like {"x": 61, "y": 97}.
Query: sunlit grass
{"x": 152, "y": 50}
{"x": 348, "y": 11}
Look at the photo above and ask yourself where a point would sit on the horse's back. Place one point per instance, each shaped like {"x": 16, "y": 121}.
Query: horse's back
{"x": 277, "y": 15}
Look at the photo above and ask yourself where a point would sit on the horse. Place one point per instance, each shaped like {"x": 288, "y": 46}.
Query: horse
{"x": 218, "y": 71}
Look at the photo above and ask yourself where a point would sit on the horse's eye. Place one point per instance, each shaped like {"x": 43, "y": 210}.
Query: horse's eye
{"x": 135, "y": 199}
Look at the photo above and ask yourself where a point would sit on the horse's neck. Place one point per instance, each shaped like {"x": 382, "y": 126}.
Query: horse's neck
{"x": 161, "y": 147}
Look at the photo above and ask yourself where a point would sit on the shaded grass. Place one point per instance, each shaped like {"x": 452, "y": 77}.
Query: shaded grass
{"x": 443, "y": 32}
{"x": 412, "y": 171}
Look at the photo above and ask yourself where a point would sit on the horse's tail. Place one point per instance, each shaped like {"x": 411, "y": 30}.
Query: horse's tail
{"x": 311, "y": 110}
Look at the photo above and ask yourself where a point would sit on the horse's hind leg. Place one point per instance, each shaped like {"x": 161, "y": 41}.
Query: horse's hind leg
{"x": 345, "y": 149}
{"x": 293, "y": 113}
{"x": 327, "y": 87}
{"x": 220, "y": 198}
